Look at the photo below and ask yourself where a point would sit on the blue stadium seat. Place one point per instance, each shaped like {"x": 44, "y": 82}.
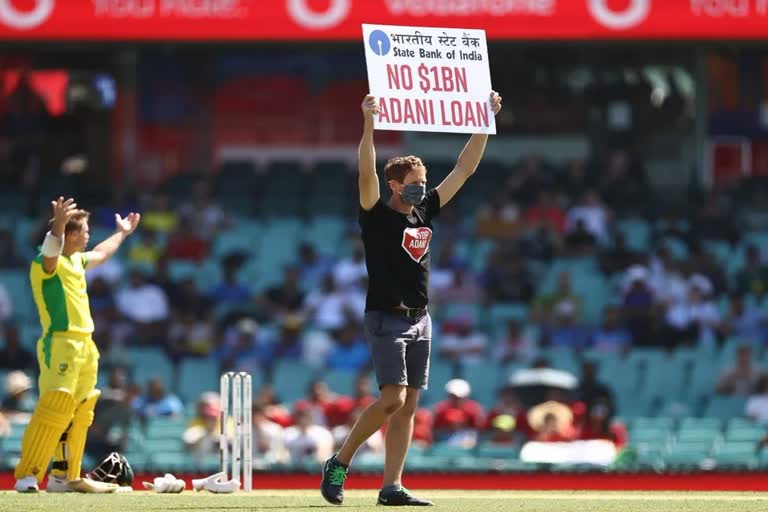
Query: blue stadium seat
{"x": 725, "y": 407}
{"x": 340, "y": 381}
{"x": 16, "y": 284}
{"x": 484, "y": 379}
{"x": 197, "y": 376}
{"x": 440, "y": 372}
{"x": 737, "y": 455}
{"x": 637, "y": 233}
{"x": 291, "y": 380}
{"x": 743, "y": 429}
{"x": 151, "y": 363}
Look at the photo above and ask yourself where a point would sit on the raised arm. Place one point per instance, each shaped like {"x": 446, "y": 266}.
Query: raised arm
{"x": 366, "y": 155}
{"x": 108, "y": 247}
{"x": 468, "y": 160}
{"x": 54, "y": 239}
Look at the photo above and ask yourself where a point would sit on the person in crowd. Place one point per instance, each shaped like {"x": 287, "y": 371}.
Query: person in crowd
{"x": 191, "y": 335}
{"x": 502, "y": 418}
{"x": 157, "y": 402}
{"x": 19, "y": 400}
{"x": 307, "y": 441}
{"x": 620, "y": 184}
{"x": 565, "y": 332}
{"x": 516, "y": 345}
{"x": 752, "y": 278}
{"x": 201, "y": 437}
{"x": 6, "y": 306}
{"x": 458, "y": 415}
{"x": 313, "y": 267}
{"x": 145, "y": 306}
{"x": 695, "y": 319}
{"x": 499, "y": 220}
{"x": 591, "y": 390}
{"x": 9, "y": 258}
{"x": 268, "y": 438}
{"x": 147, "y": 251}
{"x": 320, "y": 402}
{"x": 574, "y": 181}
{"x": 203, "y": 212}
{"x": 112, "y": 417}
{"x": 580, "y": 242}
{"x": 230, "y": 292}
{"x": 754, "y": 217}
{"x": 350, "y": 351}
{"x": 159, "y": 216}
{"x": 328, "y": 307}
{"x": 592, "y": 214}
{"x": 289, "y": 344}
{"x": 741, "y": 378}
{"x": 618, "y": 257}
{"x": 462, "y": 342}
{"x": 507, "y": 277}
{"x": 374, "y": 444}
{"x": 348, "y": 271}
{"x": 546, "y": 212}
{"x": 743, "y": 322}
{"x": 343, "y": 406}
{"x": 666, "y": 278}
{"x": 242, "y": 350}
{"x": 637, "y": 306}
{"x": 546, "y": 305}
{"x": 465, "y": 288}
{"x": 187, "y": 243}
{"x": 551, "y": 422}
{"x": 13, "y": 356}
{"x": 612, "y": 336}
{"x": 600, "y": 424}
{"x": 756, "y": 407}
{"x": 287, "y": 296}
{"x": 274, "y": 410}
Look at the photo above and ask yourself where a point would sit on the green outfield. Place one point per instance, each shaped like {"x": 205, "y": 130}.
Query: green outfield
{"x": 459, "y": 501}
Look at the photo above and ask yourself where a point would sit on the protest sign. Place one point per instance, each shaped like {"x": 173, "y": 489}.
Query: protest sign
{"x": 429, "y": 79}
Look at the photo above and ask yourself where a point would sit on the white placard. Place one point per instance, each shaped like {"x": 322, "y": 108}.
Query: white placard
{"x": 429, "y": 79}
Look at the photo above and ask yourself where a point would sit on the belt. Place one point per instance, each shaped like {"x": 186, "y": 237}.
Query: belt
{"x": 410, "y": 312}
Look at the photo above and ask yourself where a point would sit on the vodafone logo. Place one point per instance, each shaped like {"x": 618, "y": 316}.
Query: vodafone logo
{"x": 308, "y": 18}
{"x": 25, "y": 20}
{"x": 631, "y": 16}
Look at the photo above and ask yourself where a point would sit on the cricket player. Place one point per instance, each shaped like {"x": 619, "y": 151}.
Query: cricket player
{"x": 66, "y": 353}
{"x": 396, "y": 236}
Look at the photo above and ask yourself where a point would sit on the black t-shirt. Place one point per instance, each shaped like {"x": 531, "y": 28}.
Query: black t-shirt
{"x": 397, "y": 253}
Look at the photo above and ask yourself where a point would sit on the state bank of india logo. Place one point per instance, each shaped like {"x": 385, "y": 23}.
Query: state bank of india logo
{"x": 307, "y": 17}
{"x": 28, "y": 18}
{"x": 634, "y": 14}
{"x": 416, "y": 242}
{"x": 379, "y": 42}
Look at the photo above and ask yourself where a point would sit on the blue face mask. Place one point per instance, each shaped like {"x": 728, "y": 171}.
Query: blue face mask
{"x": 414, "y": 193}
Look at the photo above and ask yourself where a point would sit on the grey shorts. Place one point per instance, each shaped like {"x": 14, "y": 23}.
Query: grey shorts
{"x": 399, "y": 348}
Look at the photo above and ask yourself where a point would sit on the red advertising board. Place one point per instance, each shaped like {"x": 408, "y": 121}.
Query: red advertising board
{"x": 286, "y": 20}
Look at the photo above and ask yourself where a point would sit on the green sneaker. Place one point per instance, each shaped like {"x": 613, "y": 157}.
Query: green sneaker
{"x": 401, "y": 498}
{"x": 332, "y": 485}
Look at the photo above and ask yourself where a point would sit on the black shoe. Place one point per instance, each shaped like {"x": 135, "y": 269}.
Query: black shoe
{"x": 401, "y": 498}
{"x": 332, "y": 485}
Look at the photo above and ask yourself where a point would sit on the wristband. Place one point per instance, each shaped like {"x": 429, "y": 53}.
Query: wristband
{"x": 52, "y": 245}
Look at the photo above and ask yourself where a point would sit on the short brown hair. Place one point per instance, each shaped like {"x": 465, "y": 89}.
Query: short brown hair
{"x": 75, "y": 222}
{"x": 397, "y": 168}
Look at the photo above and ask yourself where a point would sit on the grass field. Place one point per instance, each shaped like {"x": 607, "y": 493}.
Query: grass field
{"x": 458, "y": 501}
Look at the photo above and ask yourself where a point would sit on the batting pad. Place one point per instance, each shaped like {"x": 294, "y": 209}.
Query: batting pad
{"x": 78, "y": 432}
{"x": 52, "y": 415}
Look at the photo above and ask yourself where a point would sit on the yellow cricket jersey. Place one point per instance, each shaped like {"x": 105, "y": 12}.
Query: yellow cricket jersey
{"x": 62, "y": 297}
